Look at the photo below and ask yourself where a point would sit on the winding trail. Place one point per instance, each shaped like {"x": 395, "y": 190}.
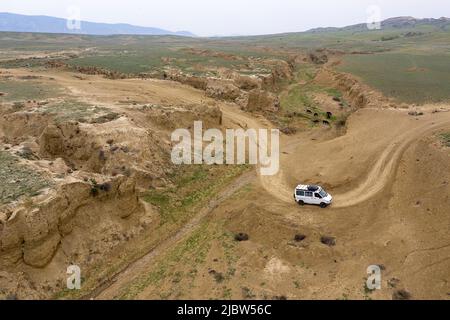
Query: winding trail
{"x": 377, "y": 177}
{"x": 109, "y": 288}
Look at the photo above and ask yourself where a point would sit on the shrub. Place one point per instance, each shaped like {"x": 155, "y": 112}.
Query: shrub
{"x": 241, "y": 237}
{"x": 445, "y": 137}
{"x": 401, "y": 295}
{"x": 329, "y": 241}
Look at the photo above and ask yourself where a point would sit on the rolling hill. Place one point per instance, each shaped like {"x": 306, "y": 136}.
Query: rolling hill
{"x": 44, "y": 24}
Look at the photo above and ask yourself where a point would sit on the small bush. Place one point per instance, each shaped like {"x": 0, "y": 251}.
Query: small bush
{"x": 18, "y": 106}
{"x": 94, "y": 188}
{"x": 401, "y": 295}
{"x": 445, "y": 137}
{"x": 241, "y": 237}
{"x": 389, "y": 38}
{"x": 329, "y": 241}
{"x": 288, "y": 130}
{"x": 299, "y": 237}
{"x": 218, "y": 276}
{"x": 247, "y": 293}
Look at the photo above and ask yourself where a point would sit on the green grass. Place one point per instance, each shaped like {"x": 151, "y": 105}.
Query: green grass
{"x": 190, "y": 252}
{"x": 18, "y": 180}
{"x": 300, "y": 92}
{"x": 27, "y": 90}
{"x": 71, "y": 110}
{"x": 151, "y": 59}
{"x": 297, "y": 99}
{"x": 124, "y": 63}
{"x": 192, "y": 186}
{"x": 411, "y": 78}
{"x": 445, "y": 137}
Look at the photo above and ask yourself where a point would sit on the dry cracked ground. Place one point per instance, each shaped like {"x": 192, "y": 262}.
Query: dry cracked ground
{"x": 87, "y": 180}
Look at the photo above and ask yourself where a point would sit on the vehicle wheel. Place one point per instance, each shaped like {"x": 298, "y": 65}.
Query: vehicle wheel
{"x": 323, "y": 205}
{"x": 301, "y": 202}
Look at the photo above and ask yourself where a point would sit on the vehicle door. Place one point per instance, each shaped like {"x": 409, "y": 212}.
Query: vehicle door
{"x": 309, "y": 197}
{"x": 317, "y": 198}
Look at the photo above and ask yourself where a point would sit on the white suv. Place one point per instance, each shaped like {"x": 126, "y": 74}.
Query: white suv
{"x": 305, "y": 194}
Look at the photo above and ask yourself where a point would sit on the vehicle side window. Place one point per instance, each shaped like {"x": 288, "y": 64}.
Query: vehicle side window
{"x": 318, "y": 196}
{"x": 300, "y": 193}
{"x": 308, "y": 194}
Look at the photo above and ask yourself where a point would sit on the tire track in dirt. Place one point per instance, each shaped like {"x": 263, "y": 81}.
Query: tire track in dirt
{"x": 111, "y": 286}
{"x": 379, "y": 175}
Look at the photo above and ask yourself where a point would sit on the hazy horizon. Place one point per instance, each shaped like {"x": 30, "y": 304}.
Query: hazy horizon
{"x": 224, "y": 18}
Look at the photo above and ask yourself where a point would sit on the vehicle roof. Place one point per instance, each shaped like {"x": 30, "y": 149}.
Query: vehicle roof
{"x": 306, "y": 187}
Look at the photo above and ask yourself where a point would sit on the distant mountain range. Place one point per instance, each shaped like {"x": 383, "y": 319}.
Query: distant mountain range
{"x": 11, "y": 22}
{"x": 43, "y": 24}
{"x": 392, "y": 24}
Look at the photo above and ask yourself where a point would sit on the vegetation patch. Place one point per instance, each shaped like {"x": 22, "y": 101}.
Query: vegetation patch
{"x": 190, "y": 252}
{"x": 18, "y": 180}
{"x": 27, "y": 90}
{"x": 411, "y": 78}
{"x": 72, "y": 110}
{"x": 192, "y": 186}
{"x": 329, "y": 241}
{"x": 445, "y": 137}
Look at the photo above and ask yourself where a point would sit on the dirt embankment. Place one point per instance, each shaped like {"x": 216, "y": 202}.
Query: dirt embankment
{"x": 88, "y": 70}
{"x": 245, "y": 90}
{"x": 356, "y": 93}
{"x": 95, "y": 171}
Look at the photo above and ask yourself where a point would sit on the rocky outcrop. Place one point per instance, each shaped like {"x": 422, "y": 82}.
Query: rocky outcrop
{"x": 357, "y": 94}
{"x": 75, "y": 146}
{"x": 281, "y": 70}
{"x": 247, "y": 83}
{"x": 232, "y": 86}
{"x": 33, "y": 235}
{"x": 222, "y": 89}
{"x": 18, "y": 126}
{"x": 318, "y": 58}
{"x": 260, "y": 100}
{"x": 190, "y": 80}
{"x": 174, "y": 117}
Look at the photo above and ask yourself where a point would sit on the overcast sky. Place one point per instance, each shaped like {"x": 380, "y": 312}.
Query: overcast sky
{"x": 230, "y": 17}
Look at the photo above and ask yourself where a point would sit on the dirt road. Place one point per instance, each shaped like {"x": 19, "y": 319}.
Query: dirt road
{"x": 375, "y": 177}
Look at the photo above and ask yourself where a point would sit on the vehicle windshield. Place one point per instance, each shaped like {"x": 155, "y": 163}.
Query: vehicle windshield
{"x": 323, "y": 194}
